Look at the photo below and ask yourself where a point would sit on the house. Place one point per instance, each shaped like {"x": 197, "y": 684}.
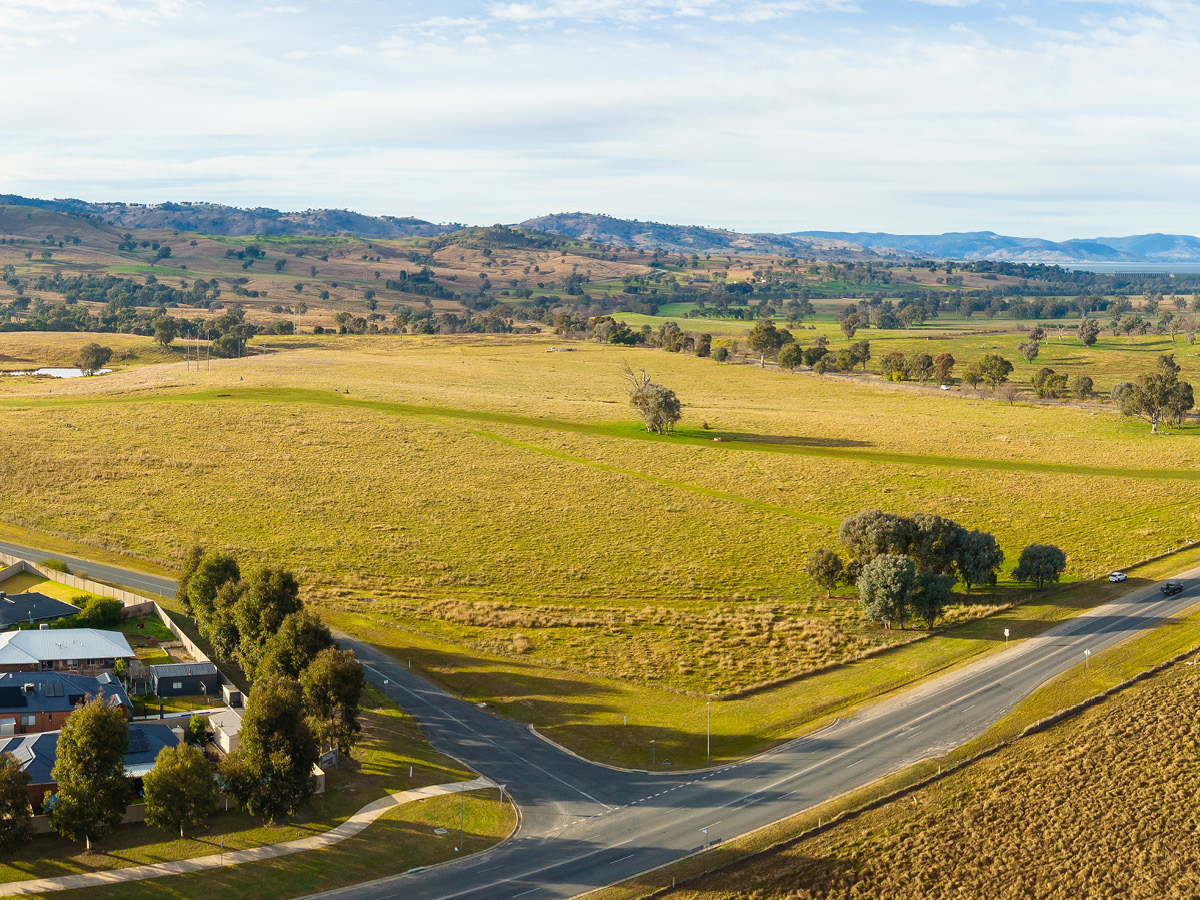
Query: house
{"x": 37, "y": 754}
{"x": 185, "y": 680}
{"x": 83, "y": 650}
{"x": 226, "y": 726}
{"x": 20, "y": 609}
{"x": 32, "y": 702}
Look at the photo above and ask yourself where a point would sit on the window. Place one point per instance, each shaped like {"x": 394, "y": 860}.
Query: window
{"x": 28, "y": 720}
{"x": 177, "y": 685}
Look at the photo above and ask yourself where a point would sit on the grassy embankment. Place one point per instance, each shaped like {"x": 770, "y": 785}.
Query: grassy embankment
{"x": 490, "y": 507}
{"x": 1102, "y": 794}
{"x": 403, "y": 838}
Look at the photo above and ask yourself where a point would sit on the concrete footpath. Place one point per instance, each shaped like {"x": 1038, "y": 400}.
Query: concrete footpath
{"x": 347, "y": 829}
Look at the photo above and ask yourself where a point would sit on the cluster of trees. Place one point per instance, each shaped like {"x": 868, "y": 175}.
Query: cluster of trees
{"x": 906, "y": 567}
{"x": 1157, "y": 396}
{"x": 922, "y": 367}
{"x": 306, "y": 692}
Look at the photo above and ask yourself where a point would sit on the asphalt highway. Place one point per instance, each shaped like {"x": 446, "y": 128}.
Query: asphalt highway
{"x": 585, "y": 826}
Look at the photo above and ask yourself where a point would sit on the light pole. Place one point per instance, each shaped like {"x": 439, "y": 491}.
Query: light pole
{"x": 462, "y": 813}
{"x": 708, "y": 731}
{"x": 652, "y": 754}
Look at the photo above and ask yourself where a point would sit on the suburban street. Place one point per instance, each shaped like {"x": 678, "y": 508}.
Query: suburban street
{"x": 584, "y": 826}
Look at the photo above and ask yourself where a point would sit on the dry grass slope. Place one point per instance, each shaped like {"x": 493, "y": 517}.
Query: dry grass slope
{"x": 1098, "y": 808}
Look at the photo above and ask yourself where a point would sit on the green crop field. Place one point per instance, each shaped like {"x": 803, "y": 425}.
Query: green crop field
{"x": 494, "y": 509}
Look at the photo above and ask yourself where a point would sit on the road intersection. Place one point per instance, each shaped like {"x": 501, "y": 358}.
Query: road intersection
{"x": 584, "y": 825}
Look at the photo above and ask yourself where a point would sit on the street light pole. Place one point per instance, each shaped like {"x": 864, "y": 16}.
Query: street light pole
{"x": 708, "y": 731}
{"x": 462, "y": 813}
{"x": 652, "y": 755}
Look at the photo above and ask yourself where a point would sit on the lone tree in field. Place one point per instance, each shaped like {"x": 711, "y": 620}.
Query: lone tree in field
{"x": 92, "y": 358}
{"x": 1158, "y": 395}
{"x": 333, "y": 684}
{"x": 180, "y": 790}
{"x": 825, "y": 568}
{"x": 659, "y": 406}
{"x": 943, "y": 363}
{"x": 979, "y": 559}
{"x": 16, "y": 818}
{"x": 93, "y": 792}
{"x": 1040, "y": 563}
{"x": 1089, "y": 331}
{"x": 270, "y": 773}
{"x": 850, "y": 325}
{"x": 790, "y": 356}
{"x": 1083, "y": 386}
{"x": 765, "y": 339}
{"x": 166, "y": 329}
{"x": 885, "y": 589}
{"x": 994, "y": 370}
{"x": 1029, "y": 350}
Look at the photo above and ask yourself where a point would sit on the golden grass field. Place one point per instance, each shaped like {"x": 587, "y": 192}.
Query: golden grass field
{"x": 1102, "y": 806}
{"x": 481, "y": 498}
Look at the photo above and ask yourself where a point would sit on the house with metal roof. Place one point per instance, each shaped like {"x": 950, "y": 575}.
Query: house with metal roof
{"x": 81, "y": 650}
{"x": 185, "y": 680}
{"x": 31, "y": 607}
{"x": 227, "y": 727}
{"x": 37, "y": 754}
{"x": 32, "y": 702}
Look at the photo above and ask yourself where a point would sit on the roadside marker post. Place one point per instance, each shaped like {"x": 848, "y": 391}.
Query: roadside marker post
{"x": 1087, "y": 660}
{"x": 1005, "y": 637}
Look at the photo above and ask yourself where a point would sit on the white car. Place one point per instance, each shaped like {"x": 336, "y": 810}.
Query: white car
{"x": 1117, "y": 576}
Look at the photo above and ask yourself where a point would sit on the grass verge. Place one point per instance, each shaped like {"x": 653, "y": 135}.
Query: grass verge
{"x": 392, "y": 743}
{"x": 1107, "y": 669}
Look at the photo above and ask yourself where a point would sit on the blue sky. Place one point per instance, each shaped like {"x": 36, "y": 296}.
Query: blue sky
{"x": 1056, "y": 119}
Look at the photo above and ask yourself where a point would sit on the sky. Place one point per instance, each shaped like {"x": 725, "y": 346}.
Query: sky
{"x": 1056, "y": 119}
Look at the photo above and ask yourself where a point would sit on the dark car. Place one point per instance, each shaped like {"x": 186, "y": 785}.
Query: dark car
{"x": 1171, "y": 588}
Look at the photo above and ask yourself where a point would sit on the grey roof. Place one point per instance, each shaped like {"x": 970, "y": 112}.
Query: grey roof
{"x": 37, "y": 752}
{"x": 25, "y": 647}
{"x": 226, "y": 720}
{"x": 174, "y": 670}
{"x": 32, "y": 607}
{"x": 54, "y": 691}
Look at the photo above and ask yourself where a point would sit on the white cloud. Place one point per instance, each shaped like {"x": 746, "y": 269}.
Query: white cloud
{"x": 766, "y": 118}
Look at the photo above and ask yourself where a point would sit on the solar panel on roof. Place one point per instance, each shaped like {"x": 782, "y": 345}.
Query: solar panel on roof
{"x": 54, "y": 689}
{"x": 138, "y": 743}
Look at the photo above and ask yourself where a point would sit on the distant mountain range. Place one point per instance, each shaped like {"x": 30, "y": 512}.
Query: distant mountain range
{"x": 689, "y": 238}
{"x": 214, "y": 218}
{"x": 1139, "y": 248}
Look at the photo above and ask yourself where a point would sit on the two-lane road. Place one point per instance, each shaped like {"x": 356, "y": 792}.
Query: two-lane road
{"x": 585, "y": 826}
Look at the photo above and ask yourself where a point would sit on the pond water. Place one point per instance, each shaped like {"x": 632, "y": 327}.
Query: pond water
{"x": 57, "y": 373}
